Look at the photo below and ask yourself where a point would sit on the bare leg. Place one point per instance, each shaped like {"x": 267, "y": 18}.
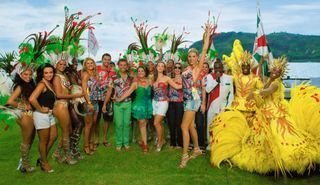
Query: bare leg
{"x": 187, "y": 120}
{"x": 143, "y": 130}
{"x": 43, "y": 142}
{"x": 27, "y": 129}
{"x": 52, "y": 137}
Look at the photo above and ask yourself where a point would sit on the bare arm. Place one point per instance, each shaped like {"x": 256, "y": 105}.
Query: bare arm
{"x": 34, "y": 96}
{"x": 133, "y": 87}
{"x": 267, "y": 91}
{"x": 173, "y": 84}
{"x": 107, "y": 98}
{"x": 84, "y": 84}
{"x": 57, "y": 87}
{"x": 12, "y": 99}
{"x": 209, "y": 31}
{"x": 108, "y": 95}
{"x": 204, "y": 100}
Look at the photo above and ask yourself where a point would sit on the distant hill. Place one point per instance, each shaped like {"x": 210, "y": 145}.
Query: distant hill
{"x": 295, "y": 46}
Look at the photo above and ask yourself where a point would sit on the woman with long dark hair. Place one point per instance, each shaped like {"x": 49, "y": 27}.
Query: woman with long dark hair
{"x": 62, "y": 87}
{"x": 175, "y": 110}
{"x": 42, "y": 99}
{"x": 160, "y": 100}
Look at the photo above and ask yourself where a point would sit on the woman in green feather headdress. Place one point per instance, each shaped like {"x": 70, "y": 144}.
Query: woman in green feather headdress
{"x": 22, "y": 89}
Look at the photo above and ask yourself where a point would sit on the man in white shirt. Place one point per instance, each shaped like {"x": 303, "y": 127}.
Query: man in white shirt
{"x": 220, "y": 89}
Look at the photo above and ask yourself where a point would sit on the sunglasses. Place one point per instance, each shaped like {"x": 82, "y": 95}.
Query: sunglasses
{"x": 177, "y": 67}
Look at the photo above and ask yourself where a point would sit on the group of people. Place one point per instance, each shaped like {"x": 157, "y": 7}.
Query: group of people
{"x": 261, "y": 131}
{"x": 236, "y": 116}
{"x": 78, "y": 99}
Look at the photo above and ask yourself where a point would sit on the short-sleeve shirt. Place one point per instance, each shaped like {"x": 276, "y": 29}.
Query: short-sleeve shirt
{"x": 105, "y": 80}
{"x": 121, "y": 86}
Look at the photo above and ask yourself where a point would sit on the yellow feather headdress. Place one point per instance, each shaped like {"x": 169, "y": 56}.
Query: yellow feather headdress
{"x": 246, "y": 58}
{"x": 280, "y": 63}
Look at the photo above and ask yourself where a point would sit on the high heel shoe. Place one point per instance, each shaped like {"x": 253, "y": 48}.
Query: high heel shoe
{"x": 87, "y": 150}
{"x": 184, "y": 160}
{"x": 44, "y": 166}
{"x": 145, "y": 148}
{"x": 68, "y": 160}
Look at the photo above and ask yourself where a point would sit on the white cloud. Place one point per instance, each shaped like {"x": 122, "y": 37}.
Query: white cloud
{"x": 20, "y": 18}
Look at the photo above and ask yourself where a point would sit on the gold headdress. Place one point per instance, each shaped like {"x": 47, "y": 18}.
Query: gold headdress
{"x": 245, "y": 59}
{"x": 280, "y": 64}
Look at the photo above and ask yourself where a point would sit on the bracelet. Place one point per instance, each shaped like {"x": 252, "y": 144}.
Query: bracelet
{"x": 22, "y": 106}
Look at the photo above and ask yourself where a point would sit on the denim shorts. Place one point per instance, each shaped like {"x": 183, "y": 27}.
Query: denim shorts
{"x": 191, "y": 105}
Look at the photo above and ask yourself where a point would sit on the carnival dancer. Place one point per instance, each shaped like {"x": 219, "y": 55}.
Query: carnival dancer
{"x": 22, "y": 89}
{"x": 141, "y": 105}
{"x": 192, "y": 100}
{"x": 272, "y": 142}
{"x": 77, "y": 118}
{"x": 122, "y": 110}
{"x": 219, "y": 87}
{"x": 42, "y": 99}
{"x": 62, "y": 87}
{"x": 245, "y": 83}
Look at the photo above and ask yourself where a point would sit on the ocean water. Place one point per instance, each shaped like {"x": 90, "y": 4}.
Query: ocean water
{"x": 307, "y": 70}
{"x": 304, "y": 70}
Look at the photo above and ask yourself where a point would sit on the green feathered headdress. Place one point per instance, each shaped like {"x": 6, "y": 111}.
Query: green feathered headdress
{"x": 32, "y": 49}
{"x": 143, "y": 33}
{"x": 73, "y": 30}
{"x": 176, "y": 41}
{"x": 161, "y": 39}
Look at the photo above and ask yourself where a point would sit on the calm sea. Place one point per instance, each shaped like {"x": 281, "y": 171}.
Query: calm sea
{"x": 310, "y": 70}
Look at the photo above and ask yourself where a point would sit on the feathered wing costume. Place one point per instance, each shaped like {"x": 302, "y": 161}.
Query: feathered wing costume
{"x": 278, "y": 140}
{"x": 32, "y": 55}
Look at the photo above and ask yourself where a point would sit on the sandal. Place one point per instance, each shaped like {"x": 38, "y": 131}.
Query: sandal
{"x": 196, "y": 152}
{"x": 184, "y": 160}
{"x": 145, "y": 148}
{"x": 95, "y": 146}
{"x": 106, "y": 144}
{"x": 126, "y": 148}
{"x": 87, "y": 150}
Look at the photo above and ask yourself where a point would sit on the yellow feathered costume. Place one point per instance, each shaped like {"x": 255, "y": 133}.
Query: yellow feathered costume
{"x": 283, "y": 137}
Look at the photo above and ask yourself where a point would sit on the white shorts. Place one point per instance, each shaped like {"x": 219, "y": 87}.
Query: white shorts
{"x": 43, "y": 120}
{"x": 160, "y": 107}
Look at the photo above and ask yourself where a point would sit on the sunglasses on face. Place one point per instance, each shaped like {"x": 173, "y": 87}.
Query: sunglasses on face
{"x": 177, "y": 67}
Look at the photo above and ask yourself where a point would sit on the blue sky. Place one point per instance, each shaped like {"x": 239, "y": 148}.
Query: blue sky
{"x": 19, "y": 18}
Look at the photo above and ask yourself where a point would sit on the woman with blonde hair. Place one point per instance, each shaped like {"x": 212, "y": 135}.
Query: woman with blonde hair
{"x": 62, "y": 87}
{"x": 191, "y": 95}
{"x": 90, "y": 87}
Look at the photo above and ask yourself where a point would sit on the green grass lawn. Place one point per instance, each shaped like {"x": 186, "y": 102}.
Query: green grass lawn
{"x": 107, "y": 166}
